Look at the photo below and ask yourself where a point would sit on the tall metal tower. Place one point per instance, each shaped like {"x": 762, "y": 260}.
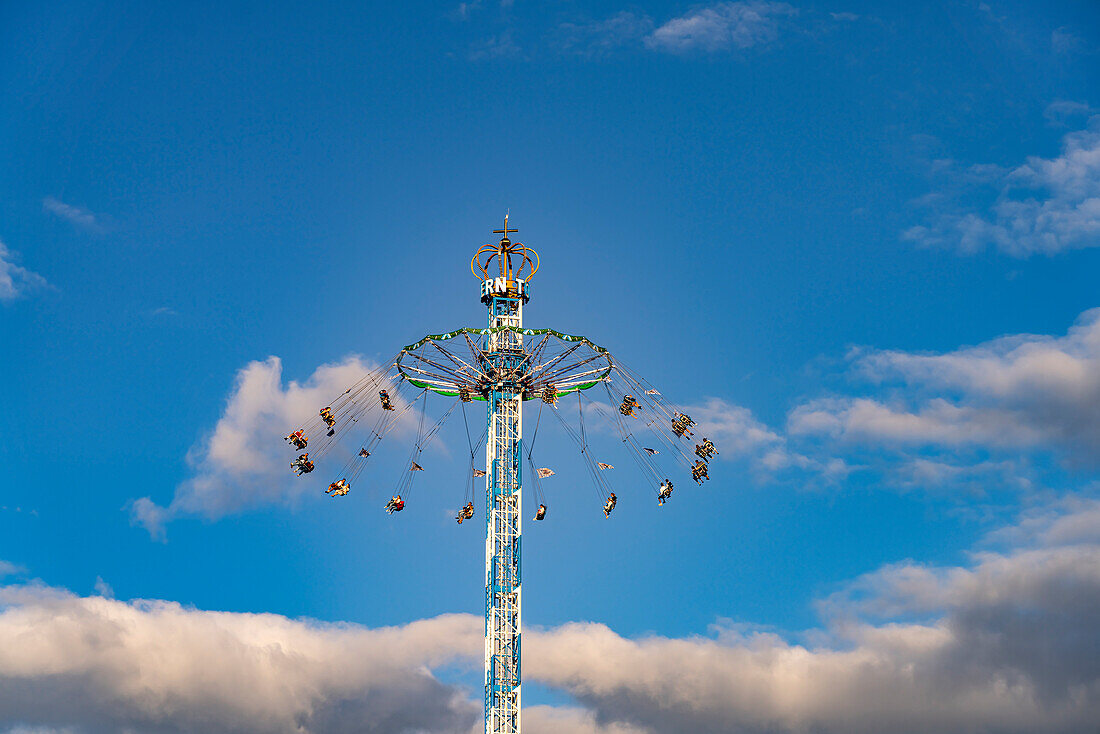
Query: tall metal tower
{"x": 504, "y": 364}
{"x": 505, "y": 296}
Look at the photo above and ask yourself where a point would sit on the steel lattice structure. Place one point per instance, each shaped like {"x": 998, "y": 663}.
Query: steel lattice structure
{"x": 504, "y": 526}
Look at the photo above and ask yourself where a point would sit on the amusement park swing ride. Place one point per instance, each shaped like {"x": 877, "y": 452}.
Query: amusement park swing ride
{"x": 504, "y": 365}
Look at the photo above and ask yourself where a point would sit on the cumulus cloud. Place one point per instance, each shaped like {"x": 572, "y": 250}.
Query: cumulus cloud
{"x": 91, "y": 665}
{"x": 1029, "y": 614}
{"x": 242, "y": 463}
{"x": 1045, "y": 205}
{"x": 1006, "y": 642}
{"x": 1016, "y": 392}
{"x": 1069, "y": 520}
{"x": 739, "y": 435}
{"x": 75, "y": 215}
{"x": 722, "y": 26}
{"x": 938, "y": 422}
{"x": 734, "y": 427}
{"x": 100, "y": 665}
{"x": 16, "y": 281}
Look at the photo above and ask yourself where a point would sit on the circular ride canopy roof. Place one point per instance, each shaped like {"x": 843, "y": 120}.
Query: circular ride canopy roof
{"x": 458, "y": 362}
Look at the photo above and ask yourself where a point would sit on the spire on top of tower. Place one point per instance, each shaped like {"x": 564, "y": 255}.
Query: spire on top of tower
{"x": 514, "y": 265}
{"x": 505, "y": 231}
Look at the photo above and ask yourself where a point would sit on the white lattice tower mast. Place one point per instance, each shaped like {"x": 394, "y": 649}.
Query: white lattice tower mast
{"x": 504, "y": 296}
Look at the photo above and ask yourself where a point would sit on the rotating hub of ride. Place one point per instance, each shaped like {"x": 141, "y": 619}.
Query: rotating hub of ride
{"x": 547, "y": 366}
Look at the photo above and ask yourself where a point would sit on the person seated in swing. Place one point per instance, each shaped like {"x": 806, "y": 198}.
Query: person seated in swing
{"x": 541, "y": 514}
{"x": 297, "y": 439}
{"x": 385, "y": 398}
{"x": 396, "y": 504}
{"x": 612, "y": 500}
{"x": 302, "y": 465}
{"x": 664, "y": 493}
{"x": 338, "y": 489}
{"x": 699, "y": 471}
{"x": 681, "y": 426}
{"x": 327, "y": 417}
{"x": 705, "y": 450}
{"x": 465, "y": 513}
{"x": 629, "y": 403}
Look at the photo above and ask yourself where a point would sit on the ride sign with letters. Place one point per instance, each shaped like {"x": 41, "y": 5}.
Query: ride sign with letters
{"x": 503, "y": 287}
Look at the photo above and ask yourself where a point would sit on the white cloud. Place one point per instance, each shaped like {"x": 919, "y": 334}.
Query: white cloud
{"x": 1042, "y": 206}
{"x": 1008, "y": 645}
{"x": 1016, "y": 392}
{"x": 937, "y": 422}
{"x": 1070, "y": 520}
{"x": 90, "y": 665}
{"x": 243, "y": 463}
{"x": 722, "y": 26}
{"x": 1005, "y": 643}
{"x": 16, "y": 281}
{"x": 75, "y": 215}
{"x": 1027, "y": 617}
{"x": 738, "y": 435}
{"x": 101, "y": 665}
{"x": 734, "y": 427}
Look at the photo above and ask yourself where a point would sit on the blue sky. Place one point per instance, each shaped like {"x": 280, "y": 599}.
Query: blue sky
{"x": 862, "y": 240}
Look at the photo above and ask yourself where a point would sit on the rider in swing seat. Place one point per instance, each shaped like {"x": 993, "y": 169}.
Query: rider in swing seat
{"x": 612, "y": 500}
